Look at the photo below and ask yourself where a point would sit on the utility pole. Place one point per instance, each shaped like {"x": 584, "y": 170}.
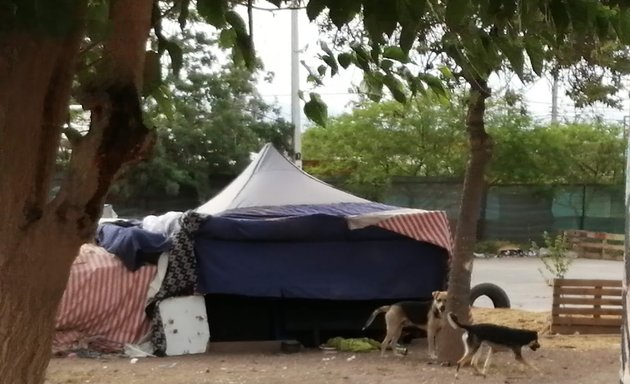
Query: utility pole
{"x": 625, "y": 326}
{"x": 554, "y": 96}
{"x": 295, "y": 86}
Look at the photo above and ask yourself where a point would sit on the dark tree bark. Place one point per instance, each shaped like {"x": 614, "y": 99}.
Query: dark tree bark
{"x": 39, "y": 237}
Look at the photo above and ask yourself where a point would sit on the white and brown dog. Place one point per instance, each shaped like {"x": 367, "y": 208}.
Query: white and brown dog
{"x": 427, "y": 316}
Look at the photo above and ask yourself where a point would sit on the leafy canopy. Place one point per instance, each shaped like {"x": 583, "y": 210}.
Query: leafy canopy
{"x": 376, "y": 142}
{"x": 213, "y": 120}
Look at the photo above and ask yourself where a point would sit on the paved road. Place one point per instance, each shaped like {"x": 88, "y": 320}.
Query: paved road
{"x": 521, "y": 279}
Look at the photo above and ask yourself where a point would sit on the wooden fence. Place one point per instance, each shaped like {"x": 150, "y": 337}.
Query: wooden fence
{"x": 586, "y": 306}
{"x": 596, "y": 245}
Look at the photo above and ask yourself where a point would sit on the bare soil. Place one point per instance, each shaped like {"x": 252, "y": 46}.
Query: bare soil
{"x": 567, "y": 359}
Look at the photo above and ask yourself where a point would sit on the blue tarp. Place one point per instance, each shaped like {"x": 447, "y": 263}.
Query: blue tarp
{"x": 302, "y": 251}
{"x": 133, "y": 245}
{"x": 340, "y": 209}
{"x": 314, "y": 257}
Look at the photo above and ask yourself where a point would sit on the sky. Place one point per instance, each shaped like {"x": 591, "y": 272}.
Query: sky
{"x": 272, "y": 40}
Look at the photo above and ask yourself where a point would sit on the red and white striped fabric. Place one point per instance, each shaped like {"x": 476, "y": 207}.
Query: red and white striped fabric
{"x": 103, "y": 304}
{"x": 428, "y": 226}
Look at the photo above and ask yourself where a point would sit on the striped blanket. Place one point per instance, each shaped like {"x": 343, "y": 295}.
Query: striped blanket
{"x": 102, "y": 307}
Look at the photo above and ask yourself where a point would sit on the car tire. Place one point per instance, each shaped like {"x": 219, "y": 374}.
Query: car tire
{"x": 495, "y": 293}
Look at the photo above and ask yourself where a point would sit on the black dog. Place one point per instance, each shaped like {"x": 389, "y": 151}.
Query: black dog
{"x": 497, "y": 337}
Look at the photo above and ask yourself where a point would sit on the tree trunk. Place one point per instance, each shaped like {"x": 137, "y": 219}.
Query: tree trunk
{"x": 451, "y": 347}
{"x": 34, "y": 96}
{"x": 39, "y": 237}
{"x": 32, "y": 284}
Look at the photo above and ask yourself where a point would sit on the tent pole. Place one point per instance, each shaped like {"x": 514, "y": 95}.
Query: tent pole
{"x": 295, "y": 86}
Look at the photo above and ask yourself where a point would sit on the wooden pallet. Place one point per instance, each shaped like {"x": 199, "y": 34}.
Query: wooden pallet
{"x": 596, "y": 245}
{"x": 586, "y": 306}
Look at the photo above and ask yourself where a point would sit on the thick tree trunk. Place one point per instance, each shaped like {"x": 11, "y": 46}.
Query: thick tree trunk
{"x": 36, "y": 250}
{"x": 39, "y": 237}
{"x": 32, "y": 284}
{"x": 451, "y": 347}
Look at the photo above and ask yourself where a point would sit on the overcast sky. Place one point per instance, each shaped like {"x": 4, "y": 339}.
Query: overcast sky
{"x": 272, "y": 39}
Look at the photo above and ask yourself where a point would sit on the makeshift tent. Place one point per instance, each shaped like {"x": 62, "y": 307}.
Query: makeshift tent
{"x": 279, "y": 236}
{"x": 278, "y": 254}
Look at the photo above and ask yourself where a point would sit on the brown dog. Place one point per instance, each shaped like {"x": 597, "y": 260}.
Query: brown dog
{"x": 412, "y": 314}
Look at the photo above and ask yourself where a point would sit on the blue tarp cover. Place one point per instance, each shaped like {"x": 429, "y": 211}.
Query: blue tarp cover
{"x": 132, "y": 244}
{"x": 296, "y": 252}
{"x": 313, "y": 256}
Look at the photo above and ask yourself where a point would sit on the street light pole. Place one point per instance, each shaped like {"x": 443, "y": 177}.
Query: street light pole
{"x": 295, "y": 86}
{"x": 624, "y": 372}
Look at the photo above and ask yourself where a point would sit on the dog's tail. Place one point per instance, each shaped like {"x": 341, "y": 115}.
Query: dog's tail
{"x": 454, "y": 321}
{"x": 376, "y": 312}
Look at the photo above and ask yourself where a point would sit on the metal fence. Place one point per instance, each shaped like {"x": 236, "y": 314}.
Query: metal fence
{"x": 521, "y": 212}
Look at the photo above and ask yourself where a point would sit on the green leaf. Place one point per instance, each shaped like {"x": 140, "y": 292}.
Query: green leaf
{"x": 535, "y": 53}
{"x": 345, "y": 59}
{"x": 456, "y": 11}
{"x": 602, "y": 24}
{"x": 213, "y": 11}
{"x": 332, "y": 63}
{"x": 434, "y": 83}
{"x": 379, "y": 20}
{"x": 622, "y": 26}
{"x": 387, "y": 64}
{"x": 508, "y": 9}
{"x": 560, "y": 16}
{"x": 277, "y": 3}
{"x": 227, "y": 38}
{"x": 408, "y": 36}
{"x": 246, "y": 50}
{"x": 579, "y": 13}
{"x": 325, "y": 48}
{"x": 243, "y": 42}
{"x": 361, "y": 57}
{"x": 316, "y": 110}
{"x": 413, "y": 83}
{"x": 314, "y": 8}
{"x": 395, "y": 86}
{"x": 514, "y": 53}
{"x": 395, "y": 53}
{"x": 322, "y": 70}
{"x": 494, "y": 7}
{"x": 372, "y": 86}
{"x": 237, "y": 22}
{"x": 410, "y": 13}
{"x": 310, "y": 78}
{"x": 343, "y": 11}
{"x": 446, "y": 72}
{"x": 313, "y": 76}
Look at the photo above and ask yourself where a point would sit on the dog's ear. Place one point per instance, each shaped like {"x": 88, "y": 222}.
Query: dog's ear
{"x": 435, "y": 294}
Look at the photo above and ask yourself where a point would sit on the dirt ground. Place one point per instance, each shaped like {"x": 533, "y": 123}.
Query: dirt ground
{"x": 562, "y": 359}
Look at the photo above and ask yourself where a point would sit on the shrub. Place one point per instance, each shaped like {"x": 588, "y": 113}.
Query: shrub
{"x": 554, "y": 257}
